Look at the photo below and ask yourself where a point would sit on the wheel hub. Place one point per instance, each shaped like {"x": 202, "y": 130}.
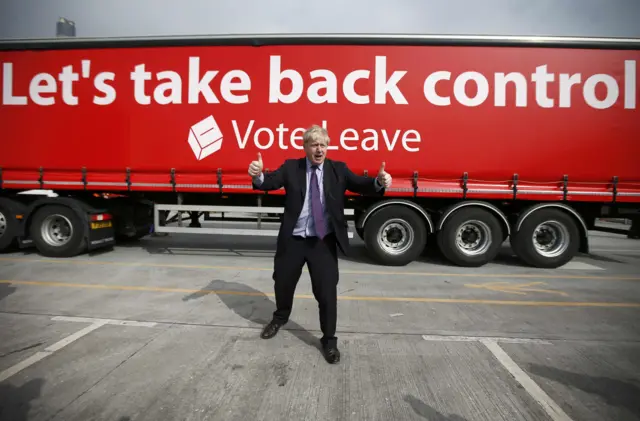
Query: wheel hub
{"x": 551, "y": 238}
{"x": 56, "y": 230}
{"x": 470, "y": 235}
{"x": 3, "y": 224}
{"x": 395, "y": 236}
{"x": 473, "y": 237}
{"x": 545, "y": 237}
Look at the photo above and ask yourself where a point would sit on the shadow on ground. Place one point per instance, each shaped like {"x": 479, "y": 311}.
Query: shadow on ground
{"x": 252, "y": 305}
{"x": 6, "y": 290}
{"x": 15, "y": 402}
{"x": 429, "y": 413}
{"x": 614, "y": 392}
{"x": 264, "y": 248}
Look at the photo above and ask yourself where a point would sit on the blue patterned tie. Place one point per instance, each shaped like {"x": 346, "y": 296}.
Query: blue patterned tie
{"x": 316, "y": 205}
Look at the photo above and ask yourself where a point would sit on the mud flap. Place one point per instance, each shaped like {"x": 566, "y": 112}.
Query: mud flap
{"x": 100, "y": 234}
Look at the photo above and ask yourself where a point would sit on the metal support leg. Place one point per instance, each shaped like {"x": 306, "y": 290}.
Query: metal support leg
{"x": 180, "y": 198}
{"x": 634, "y": 230}
{"x": 259, "y": 215}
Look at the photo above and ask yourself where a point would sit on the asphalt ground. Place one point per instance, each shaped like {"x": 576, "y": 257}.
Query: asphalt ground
{"x": 168, "y": 329}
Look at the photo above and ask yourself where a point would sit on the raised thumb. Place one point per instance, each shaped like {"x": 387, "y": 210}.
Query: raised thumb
{"x": 381, "y": 167}
{"x": 259, "y": 157}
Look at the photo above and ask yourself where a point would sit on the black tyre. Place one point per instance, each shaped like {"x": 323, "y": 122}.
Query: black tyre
{"x": 57, "y": 231}
{"x": 548, "y": 238}
{"x": 8, "y": 229}
{"x": 471, "y": 237}
{"x": 395, "y": 235}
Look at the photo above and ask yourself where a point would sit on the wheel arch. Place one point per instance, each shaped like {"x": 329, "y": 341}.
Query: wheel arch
{"x": 81, "y": 209}
{"x": 362, "y": 220}
{"x": 494, "y": 209}
{"x": 582, "y": 225}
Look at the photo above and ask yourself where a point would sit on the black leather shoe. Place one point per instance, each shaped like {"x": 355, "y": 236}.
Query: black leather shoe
{"x": 331, "y": 354}
{"x": 270, "y": 330}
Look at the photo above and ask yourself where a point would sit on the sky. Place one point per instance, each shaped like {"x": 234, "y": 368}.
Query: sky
{"x": 131, "y": 18}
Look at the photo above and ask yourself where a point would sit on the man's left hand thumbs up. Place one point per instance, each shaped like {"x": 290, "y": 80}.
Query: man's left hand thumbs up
{"x": 383, "y": 177}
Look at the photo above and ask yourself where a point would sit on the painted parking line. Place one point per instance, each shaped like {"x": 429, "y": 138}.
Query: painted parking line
{"x": 94, "y": 324}
{"x": 634, "y": 251}
{"x": 454, "y": 338}
{"x": 552, "y": 409}
{"x": 15, "y": 369}
{"x": 104, "y": 321}
{"x": 470, "y": 274}
{"x": 519, "y": 289}
{"x": 493, "y": 345}
{"x": 340, "y": 297}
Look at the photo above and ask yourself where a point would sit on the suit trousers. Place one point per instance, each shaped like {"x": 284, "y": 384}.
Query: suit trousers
{"x": 321, "y": 258}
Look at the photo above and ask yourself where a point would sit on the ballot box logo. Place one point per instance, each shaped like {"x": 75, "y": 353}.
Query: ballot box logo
{"x": 205, "y": 138}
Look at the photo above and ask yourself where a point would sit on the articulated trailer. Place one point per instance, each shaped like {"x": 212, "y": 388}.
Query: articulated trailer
{"x": 488, "y": 139}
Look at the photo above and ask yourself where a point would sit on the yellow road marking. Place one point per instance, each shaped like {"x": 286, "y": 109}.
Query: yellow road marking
{"x": 520, "y": 289}
{"x": 471, "y": 274}
{"x": 342, "y": 297}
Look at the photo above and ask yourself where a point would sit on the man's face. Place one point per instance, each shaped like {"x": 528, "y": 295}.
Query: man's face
{"x": 316, "y": 151}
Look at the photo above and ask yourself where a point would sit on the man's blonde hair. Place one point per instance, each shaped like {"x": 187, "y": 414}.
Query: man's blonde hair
{"x": 316, "y": 133}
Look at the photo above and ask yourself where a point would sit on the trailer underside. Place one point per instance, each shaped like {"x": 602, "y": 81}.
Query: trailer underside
{"x": 396, "y": 230}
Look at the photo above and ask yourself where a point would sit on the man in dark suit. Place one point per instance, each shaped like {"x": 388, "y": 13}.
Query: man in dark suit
{"x": 312, "y": 228}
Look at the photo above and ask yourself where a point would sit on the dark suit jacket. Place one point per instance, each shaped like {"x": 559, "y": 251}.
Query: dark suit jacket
{"x": 337, "y": 179}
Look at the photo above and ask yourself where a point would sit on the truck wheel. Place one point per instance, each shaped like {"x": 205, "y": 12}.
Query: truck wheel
{"x": 471, "y": 237}
{"x": 395, "y": 235}
{"x": 8, "y": 226}
{"x": 548, "y": 238}
{"x": 57, "y": 231}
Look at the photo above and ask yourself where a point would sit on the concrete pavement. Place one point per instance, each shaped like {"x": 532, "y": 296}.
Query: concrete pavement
{"x": 167, "y": 329}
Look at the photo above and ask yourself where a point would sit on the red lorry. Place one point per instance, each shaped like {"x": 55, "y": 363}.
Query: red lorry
{"x": 487, "y": 138}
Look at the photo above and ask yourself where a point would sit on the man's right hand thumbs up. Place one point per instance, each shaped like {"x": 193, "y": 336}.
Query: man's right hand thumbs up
{"x": 255, "y": 168}
{"x": 383, "y": 177}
